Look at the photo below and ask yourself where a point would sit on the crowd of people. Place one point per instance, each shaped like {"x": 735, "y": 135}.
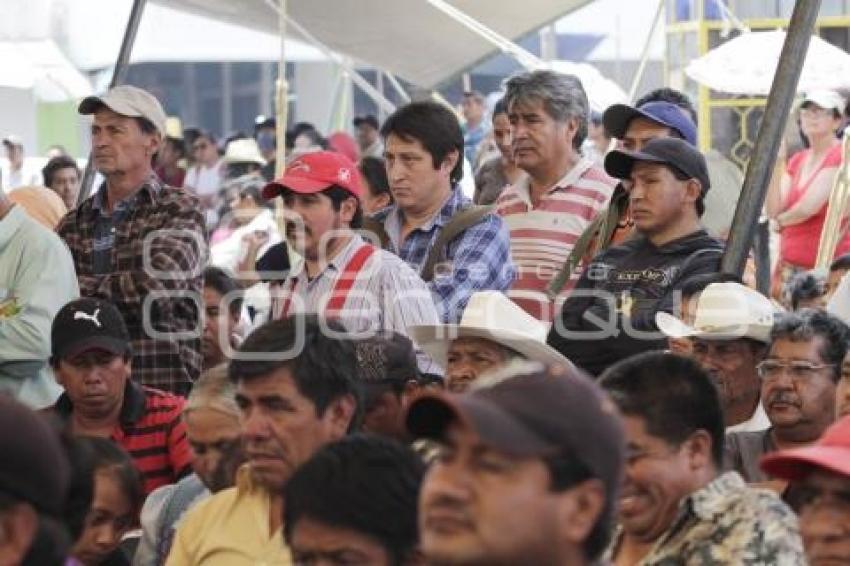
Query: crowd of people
{"x": 362, "y": 361}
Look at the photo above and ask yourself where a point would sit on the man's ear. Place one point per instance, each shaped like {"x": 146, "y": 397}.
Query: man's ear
{"x": 348, "y": 209}
{"x": 693, "y": 190}
{"x": 338, "y": 416}
{"x": 579, "y": 509}
{"x": 698, "y": 447}
{"x": 448, "y": 164}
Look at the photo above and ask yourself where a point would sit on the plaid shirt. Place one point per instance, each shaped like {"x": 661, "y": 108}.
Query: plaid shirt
{"x": 167, "y": 222}
{"x": 480, "y": 257}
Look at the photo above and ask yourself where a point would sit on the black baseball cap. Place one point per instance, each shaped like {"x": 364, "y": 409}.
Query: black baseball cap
{"x": 531, "y": 410}
{"x": 86, "y": 324}
{"x": 673, "y": 152}
{"x": 367, "y": 119}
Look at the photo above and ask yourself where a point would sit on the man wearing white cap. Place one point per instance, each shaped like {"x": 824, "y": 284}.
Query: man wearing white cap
{"x": 730, "y": 333}
{"x": 492, "y": 332}
{"x": 138, "y": 243}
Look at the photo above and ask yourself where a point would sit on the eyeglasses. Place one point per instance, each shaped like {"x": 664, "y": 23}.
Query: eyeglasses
{"x": 797, "y": 370}
{"x": 815, "y": 112}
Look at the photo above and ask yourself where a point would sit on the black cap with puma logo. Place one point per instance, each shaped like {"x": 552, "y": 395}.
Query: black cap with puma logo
{"x": 88, "y": 324}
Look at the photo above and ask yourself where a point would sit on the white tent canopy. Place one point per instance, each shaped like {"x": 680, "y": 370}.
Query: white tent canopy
{"x": 409, "y": 38}
{"x": 40, "y": 66}
{"x": 168, "y": 35}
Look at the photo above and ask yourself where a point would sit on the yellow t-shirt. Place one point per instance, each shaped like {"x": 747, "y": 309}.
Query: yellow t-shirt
{"x": 230, "y": 529}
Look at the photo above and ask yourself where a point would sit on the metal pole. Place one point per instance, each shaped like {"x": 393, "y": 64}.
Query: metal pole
{"x": 119, "y": 73}
{"x": 776, "y": 111}
{"x": 281, "y": 95}
{"x": 398, "y": 88}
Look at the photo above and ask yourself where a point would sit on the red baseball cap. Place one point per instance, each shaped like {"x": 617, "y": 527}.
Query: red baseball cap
{"x": 316, "y": 171}
{"x": 831, "y": 452}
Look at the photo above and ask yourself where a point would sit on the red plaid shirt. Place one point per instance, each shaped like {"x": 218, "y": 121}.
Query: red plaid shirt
{"x": 157, "y": 290}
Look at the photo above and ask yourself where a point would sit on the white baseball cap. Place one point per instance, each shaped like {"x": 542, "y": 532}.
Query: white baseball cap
{"x": 827, "y": 99}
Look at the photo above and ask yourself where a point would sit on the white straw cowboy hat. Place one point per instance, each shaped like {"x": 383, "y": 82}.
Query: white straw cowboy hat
{"x": 492, "y": 316}
{"x": 724, "y": 311}
{"x": 243, "y": 150}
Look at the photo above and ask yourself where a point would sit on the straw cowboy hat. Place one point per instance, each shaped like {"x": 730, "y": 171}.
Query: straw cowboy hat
{"x": 243, "y": 150}
{"x": 492, "y": 316}
{"x": 724, "y": 311}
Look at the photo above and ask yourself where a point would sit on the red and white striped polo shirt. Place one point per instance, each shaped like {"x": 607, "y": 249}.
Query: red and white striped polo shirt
{"x": 542, "y": 236}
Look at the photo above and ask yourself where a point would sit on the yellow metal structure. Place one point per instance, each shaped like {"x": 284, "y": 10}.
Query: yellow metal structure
{"x": 729, "y": 123}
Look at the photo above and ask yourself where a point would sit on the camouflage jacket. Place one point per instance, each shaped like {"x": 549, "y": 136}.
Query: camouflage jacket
{"x": 727, "y": 522}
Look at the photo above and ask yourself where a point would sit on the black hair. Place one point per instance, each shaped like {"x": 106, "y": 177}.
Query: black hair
{"x": 108, "y": 456}
{"x": 177, "y": 145}
{"x": 841, "y": 263}
{"x": 368, "y": 484}
{"x": 698, "y": 283}
{"x": 501, "y": 107}
{"x": 673, "y": 395}
{"x": 146, "y": 125}
{"x": 673, "y": 96}
{"x": 367, "y": 119}
{"x": 307, "y": 129}
{"x": 321, "y": 364}
{"x": 338, "y": 195}
{"x": 807, "y": 324}
{"x": 236, "y": 170}
{"x": 434, "y": 126}
{"x": 374, "y": 171}
{"x": 224, "y": 284}
{"x": 682, "y": 176}
{"x": 804, "y": 286}
{"x": 56, "y": 164}
{"x": 566, "y": 471}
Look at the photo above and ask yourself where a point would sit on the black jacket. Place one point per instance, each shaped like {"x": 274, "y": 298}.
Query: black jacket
{"x": 637, "y": 279}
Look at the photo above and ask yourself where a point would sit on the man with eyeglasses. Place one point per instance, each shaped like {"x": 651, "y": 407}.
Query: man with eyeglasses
{"x": 799, "y": 376}
{"x": 820, "y": 493}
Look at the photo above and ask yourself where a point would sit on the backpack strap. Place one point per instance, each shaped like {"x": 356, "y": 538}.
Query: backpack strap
{"x": 459, "y": 223}
{"x": 375, "y": 228}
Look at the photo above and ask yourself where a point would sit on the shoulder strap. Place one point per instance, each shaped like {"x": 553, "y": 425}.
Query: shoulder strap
{"x": 375, "y": 228}
{"x": 459, "y": 223}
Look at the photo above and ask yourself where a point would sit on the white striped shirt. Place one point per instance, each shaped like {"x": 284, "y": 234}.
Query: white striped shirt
{"x": 386, "y": 295}
{"x": 542, "y": 236}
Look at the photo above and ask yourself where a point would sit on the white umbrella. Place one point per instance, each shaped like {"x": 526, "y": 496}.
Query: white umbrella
{"x": 747, "y": 63}
{"x": 601, "y": 92}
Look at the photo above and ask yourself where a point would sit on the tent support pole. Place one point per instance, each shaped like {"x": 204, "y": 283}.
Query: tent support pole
{"x": 119, "y": 73}
{"x": 776, "y": 111}
{"x": 644, "y": 56}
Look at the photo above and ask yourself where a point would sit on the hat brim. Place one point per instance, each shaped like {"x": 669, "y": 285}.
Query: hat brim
{"x": 796, "y": 463}
{"x": 295, "y": 184}
{"x": 676, "y": 328}
{"x": 435, "y": 341}
{"x": 258, "y": 159}
{"x": 619, "y": 163}
{"x": 617, "y": 117}
{"x": 112, "y": 345}
{"x": 431, "y": 415}
{"x": 91, "y": 104}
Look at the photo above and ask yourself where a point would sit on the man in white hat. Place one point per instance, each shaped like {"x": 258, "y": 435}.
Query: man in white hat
{"x": 492, "y": 332}
{"x": 138, "y": 243}
{"x": 730, "y": 333}
{"x": 243, "y": 157}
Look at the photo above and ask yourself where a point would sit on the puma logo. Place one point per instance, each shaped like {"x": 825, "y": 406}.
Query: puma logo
{"x": 78, "y": 315}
